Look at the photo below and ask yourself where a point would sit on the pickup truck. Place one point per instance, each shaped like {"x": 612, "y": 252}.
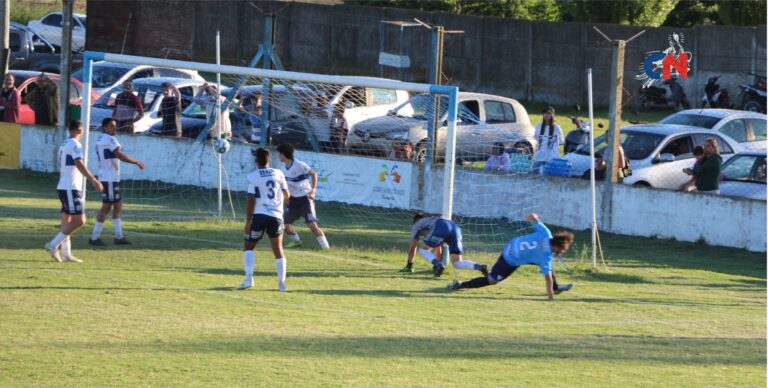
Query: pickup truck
{"x": 30, "y": 51}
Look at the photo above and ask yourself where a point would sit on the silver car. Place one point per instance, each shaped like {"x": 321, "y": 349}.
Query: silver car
{"x": 747, "y": 128}
{"x": 483, "y": 120}
{"x": 744, "y": 176}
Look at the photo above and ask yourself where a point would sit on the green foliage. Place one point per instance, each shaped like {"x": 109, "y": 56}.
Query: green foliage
{"x": 25, "y": 10}
{"x": 629, "y": 12}
{"x": 541, "y": 10}
{"x": 692, "y": 13}
{"x": 743, "y": 13}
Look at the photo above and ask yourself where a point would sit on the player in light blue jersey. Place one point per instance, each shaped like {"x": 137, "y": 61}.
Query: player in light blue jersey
{"x": 536, "y": 248}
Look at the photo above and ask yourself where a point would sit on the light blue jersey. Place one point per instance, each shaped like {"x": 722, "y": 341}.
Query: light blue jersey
{"x": 532, "y": 248}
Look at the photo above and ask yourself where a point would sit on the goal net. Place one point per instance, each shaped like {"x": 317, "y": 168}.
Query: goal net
{"x": 382, "y": 149}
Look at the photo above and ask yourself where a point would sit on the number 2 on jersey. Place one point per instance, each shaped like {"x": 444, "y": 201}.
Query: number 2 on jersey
{"x": 527, "y": 245}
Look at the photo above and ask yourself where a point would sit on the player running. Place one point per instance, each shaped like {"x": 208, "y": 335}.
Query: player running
{"x": 70, "y": 190}
{"x": 302, "y": 202}
{"x": 536, "y": 248}
{"x": 110, "y": 153}
{"x": 437, "y": 231}
{"x": 267, "y": 190}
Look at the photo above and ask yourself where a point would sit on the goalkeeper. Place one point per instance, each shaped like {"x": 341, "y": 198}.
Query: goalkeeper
{"x": 536, "y": 248}
{"x": 437, "y": 231}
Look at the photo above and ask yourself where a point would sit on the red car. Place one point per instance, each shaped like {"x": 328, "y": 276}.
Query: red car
{"x": 25, "y": 82}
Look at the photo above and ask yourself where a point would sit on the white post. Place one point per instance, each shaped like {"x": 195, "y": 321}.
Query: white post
{"x": 218, "y": 117}
{"x": 592, "y": 168}
{"x": 85, "y": 113}
{"x": 450, "y": 154}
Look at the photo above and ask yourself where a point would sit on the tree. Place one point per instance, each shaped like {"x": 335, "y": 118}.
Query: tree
{"x": 628, "y": 12}
{"x": 543, "y": 10}
{"x": 742, "y": 13}
{"x": 692, "y": 13}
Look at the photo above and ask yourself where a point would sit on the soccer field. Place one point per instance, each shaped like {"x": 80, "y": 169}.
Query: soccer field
{"x": 163, "y": 313}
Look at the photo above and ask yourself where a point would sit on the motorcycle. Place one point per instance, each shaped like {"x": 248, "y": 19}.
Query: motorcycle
{"x": 579, "y": 136}
{"x": 753, "y": 96}
{"x": 714, "y": 95}
{"x": 670, "y": 95}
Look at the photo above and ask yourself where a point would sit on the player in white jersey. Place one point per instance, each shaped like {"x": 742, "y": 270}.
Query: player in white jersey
{"x": 267, "y": 191}
{"x": 70, "y": 188}
{"x": 109, "y": 153}
{"x": 302, "y": 202}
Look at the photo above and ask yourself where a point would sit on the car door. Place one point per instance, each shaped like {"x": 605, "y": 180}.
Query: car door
{"x": 355, "y": 103}
{"x": 18, "y": 56}
{"x": 470, "y": 131}
{"x": 500, "y": 116}
{"x": 758, "y": 131}
{"x": 51, "y": 28}
{"x": 670, "y": 175}
{"x": 736, "y": 129}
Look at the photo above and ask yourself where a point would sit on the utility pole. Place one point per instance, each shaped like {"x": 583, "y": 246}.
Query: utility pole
{"x": 614, "y": 124}
{"x": 5, "y": 25}
{"x": 66, "y": 63}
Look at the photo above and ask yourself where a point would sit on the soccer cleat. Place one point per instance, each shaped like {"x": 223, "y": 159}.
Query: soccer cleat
{"x": 293, "y": 244}
{"x": 97, "y": 242}
{"x": 72, "y": 259}
{"x": 122, "y": 241}
{"x": 439, "y": 269}
{"x": 563, "y": 288}
{"x": 406, "y": 269}
{"x": 281, "y": 287}
{"x": 483, "y": 269}
{"x": 454, "y": 285}
{"x": 245, "y": 284}
{"x": 53, "y": 251}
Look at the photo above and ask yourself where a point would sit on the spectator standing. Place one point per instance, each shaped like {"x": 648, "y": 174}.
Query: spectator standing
{"x": 44, "y": 100}
{"x": 128, "y": 109}
{"x": 707, "y": 173}
{"x": 252, "y": 106}
{"x": 499, "y": 160}
{"x": 698, "y": 153}
{"x": 550, "y": 137}
{"x": 339, "y": 129}
{"x": 10, "y": 99}
{"x": 206, "y": 96}
{"x": 170, "y": 110}
{"x": 401, "y": 150}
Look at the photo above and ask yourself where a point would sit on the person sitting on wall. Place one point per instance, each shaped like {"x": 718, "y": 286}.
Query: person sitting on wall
{"x": 600, "y": 168}
{"x": 499, "y": 160}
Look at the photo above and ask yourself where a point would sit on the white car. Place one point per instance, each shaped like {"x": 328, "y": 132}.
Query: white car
{"x": 657, "y": 153}
{"x": 107, "y": 75}
{"x": 50, "y": 27}
{"x": 744, "y": 176}
{"x": 747, "y": 128}
{"x": 484, "y": 119}
{"x": 150, "y": 92}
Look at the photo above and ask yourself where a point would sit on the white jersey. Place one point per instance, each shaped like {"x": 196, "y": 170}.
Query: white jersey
{"x": 267, "y": 185}
{"x": 70, "y": 177}
{"x": 297, "y": 175}
{"x": 109, "y": 164}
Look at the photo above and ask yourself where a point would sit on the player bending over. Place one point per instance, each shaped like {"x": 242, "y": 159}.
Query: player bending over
{"x": 436, "y": 231}
{"x": 267, "y": 190}
{"x": 302, "y": 201}
{"x": 536, "y": 248}
{"x": 110, "y": 153}
{"x": 70, "y": 189}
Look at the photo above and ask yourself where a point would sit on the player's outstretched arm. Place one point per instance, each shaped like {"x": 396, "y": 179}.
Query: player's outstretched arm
{"x": 251, "y": 204}
{"x": 412, "y": 250}
{"x": 313, "y": 175}
{"x": 125, "y": 158}
{"x": 87, "y": 173}
{"x": 550, "y": 289}
{"x": 533, "y": 217}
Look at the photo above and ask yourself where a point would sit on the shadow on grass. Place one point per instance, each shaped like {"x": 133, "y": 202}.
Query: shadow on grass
{"x": 663, "y": 350}
{"x": 611, "y": 277}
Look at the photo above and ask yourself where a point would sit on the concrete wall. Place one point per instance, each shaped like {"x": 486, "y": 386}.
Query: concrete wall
{"x": 732, "y": 222}
{"x": 525, "y": 60}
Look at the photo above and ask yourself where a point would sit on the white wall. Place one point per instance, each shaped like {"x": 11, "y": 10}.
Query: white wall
{"x": 724, "y": 221}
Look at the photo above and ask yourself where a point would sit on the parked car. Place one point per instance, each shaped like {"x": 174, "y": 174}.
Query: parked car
{"x": 657, "y": 153}
{"x": 747, "y": 128}
{"x": 744, "y": 176}
{"x": 150, "y": 92}
{"x": 30, "y": 51}
{"x": 26, "y": 80}
{"x": 287, "y": 121}
{"x": 107, "y": 75}
{"x": 483, "y": 120}
{"x": 50, "y": 26}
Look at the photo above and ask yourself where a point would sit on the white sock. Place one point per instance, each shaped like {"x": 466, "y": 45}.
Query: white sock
{"x": 118, "y": 227}
{"x": 294, "y": 237}
{"x": 323, "y": 242}
{"x": 66, "y": 247}
{"x": 281, "y": 265}
{"x": 97, "y": 228}
{"x": 464, "y": 264}
{"x": 249, "y": 261}
{"x": 428, "y": 256}
{"x": 58, "y": 239}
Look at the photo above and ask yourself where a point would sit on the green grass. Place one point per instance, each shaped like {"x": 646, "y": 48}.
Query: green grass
{"x": 23, "y": 11}
{"x": 162, "y": 312}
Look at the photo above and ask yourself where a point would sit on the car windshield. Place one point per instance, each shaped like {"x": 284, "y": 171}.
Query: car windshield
{"x": 693, "y": 120}
{"x": 82, "y": 20}
{"x": 147, "y": 95}
{"x": 421, "y": 107}
{"x": 637, "y": 145}
{"x": 104, "y": 74}
{"x": 745, "y": 168}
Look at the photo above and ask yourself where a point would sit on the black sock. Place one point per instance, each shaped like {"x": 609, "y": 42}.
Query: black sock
{"x": 475, "y": 283}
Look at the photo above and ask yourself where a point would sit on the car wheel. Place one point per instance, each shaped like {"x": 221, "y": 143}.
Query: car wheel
{"x": 420, "y": 153}
{"x": 641, "y": 184}
{"x": 752, "y": 106}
